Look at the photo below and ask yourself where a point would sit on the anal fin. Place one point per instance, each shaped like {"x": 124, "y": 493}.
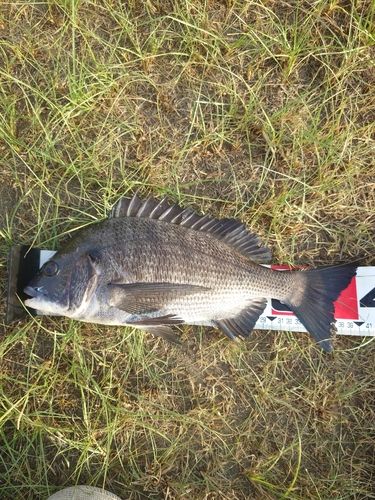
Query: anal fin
{"x": 242, "y": 324}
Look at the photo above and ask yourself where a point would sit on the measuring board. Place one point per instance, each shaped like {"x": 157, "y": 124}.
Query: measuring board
{"x": 354, "y": 309}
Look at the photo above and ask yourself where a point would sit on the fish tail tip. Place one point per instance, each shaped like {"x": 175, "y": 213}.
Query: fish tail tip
{"x": 315, "y": 309}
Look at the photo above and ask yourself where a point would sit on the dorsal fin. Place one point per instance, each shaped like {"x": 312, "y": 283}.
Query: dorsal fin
{"x": 231, "y": 231}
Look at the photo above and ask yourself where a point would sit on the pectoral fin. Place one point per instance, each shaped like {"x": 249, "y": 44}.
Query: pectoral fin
{"x": 137, "y": 298}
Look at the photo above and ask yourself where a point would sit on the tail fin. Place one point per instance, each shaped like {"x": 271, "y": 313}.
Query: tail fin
{"x": 315, "y": 308}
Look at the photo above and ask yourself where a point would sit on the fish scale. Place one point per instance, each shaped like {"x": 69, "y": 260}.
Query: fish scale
{"x": 152, "y": 265}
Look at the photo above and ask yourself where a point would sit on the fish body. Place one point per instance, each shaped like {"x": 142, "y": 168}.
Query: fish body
{"x": 151, "y": 265}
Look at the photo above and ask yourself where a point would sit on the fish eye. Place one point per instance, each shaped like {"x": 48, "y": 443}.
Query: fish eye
{"x": 50, "y": 269}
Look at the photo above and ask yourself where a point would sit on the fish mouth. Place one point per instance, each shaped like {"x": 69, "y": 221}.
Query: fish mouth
{"x": 38, "y": 296}
{"x": 35, "y": 292}
{"x": 40, "y": 302}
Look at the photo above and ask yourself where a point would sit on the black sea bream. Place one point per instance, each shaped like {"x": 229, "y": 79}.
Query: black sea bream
{"x": 152, "y": 265}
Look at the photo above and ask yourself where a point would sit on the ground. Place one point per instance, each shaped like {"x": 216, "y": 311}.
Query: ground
{"x": 263, "y": 111}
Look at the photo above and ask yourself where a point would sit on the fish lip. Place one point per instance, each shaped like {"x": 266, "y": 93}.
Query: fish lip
{"x": 41, "y": 303}
{"x": 35, "y": 292}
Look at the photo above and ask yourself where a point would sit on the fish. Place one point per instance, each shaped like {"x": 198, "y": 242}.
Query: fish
{"x": 151, "y": 265}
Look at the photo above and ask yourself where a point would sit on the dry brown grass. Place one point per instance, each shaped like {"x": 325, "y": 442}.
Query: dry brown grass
{"x": 259, "y": 110}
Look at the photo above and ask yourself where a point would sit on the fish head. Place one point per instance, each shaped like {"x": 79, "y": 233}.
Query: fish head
{"x": 65, "y": 284}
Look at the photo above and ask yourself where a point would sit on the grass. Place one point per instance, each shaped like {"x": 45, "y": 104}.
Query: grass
{"x": 259, "y": 110}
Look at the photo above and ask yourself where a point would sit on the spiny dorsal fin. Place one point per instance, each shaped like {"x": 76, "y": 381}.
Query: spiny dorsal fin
{"x": 231, "y": 231}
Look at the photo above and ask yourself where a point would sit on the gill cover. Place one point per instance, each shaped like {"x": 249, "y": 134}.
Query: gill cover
{"x": 83, "y": 282}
